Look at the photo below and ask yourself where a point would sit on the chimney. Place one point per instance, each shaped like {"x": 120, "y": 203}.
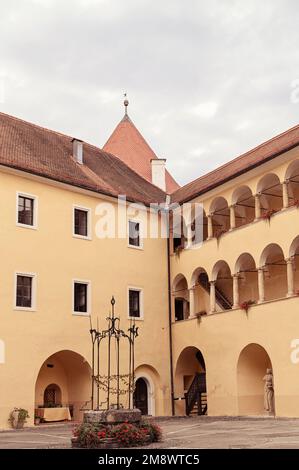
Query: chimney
{"x": 158, "y": 172}
{"x": 78, "y": 150}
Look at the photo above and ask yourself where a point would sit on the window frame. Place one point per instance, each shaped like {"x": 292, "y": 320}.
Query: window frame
{"x": 135, "y": 221}
{"x": 35, "y": 210}
{"x": 88, "y": 211}
{"x": 141, "y": 302}
{"x": 88, "y": 299}
{"x": 33, "y": 276}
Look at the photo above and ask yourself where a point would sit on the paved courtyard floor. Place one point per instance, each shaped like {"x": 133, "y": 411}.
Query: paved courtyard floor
{"x": 191, "y": 433}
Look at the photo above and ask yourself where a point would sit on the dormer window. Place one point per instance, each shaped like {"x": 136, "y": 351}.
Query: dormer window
{"x": 78, "y": 150}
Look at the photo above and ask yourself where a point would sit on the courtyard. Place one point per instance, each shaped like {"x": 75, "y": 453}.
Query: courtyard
{"x": 178, "y": 433}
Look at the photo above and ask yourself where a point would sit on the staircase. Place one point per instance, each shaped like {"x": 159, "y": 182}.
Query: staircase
{"x": 220, "y": 297}
{"x": 196, "y": 396}
{"x": 201, "y": 406}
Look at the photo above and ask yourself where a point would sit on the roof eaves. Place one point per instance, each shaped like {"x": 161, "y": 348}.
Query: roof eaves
{"x": 235, "y": 175}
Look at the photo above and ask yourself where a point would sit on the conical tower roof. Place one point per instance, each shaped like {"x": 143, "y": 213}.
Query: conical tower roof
{"x": 127, "y": 143}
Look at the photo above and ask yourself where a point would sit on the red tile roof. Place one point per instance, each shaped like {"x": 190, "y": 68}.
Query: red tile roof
{"x": 34, "y": 149}
{"x": 128, "y": 144}
{"x": 249, "y": 160}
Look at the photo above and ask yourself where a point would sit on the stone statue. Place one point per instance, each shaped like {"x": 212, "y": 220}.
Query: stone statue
{"x": 269, "y": 392}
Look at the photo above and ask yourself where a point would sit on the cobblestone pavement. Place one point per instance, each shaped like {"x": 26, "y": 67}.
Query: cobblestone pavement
{"x": 191, "y": 433}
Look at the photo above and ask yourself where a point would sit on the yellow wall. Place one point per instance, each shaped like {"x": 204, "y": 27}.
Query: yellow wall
{"x": 32, "y": 337}
{"x": 273, "y": 325}
{"x": 57, "y": 258}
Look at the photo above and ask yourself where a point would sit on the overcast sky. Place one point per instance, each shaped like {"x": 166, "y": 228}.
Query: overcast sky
{"x": 206, "y": 80}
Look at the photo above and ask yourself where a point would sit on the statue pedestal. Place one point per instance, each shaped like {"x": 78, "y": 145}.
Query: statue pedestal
{"x": 269, "y": 413}
{"x": 112, "y": 416}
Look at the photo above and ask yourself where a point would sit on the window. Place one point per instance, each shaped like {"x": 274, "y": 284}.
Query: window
{"x": 26, "y": 210}
{"x": 81, "y": 301}
{"x": 134, "y": 303}
{"x": 81, "y": 222}
{"x": 134, "y": 234}
{"x": 24, "y": 291}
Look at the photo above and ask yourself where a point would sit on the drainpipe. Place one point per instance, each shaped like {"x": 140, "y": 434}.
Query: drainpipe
{"x": 170, "y": 329}
{"x": 169, "y": 309}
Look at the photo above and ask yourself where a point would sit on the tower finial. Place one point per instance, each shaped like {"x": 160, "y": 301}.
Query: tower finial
{"x": 126, "y": 104}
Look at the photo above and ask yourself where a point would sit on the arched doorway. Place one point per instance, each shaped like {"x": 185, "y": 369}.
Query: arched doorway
{"x": 141, "y": 395}
{"x": 155, "y": 397}
{"x": 64, "y": 380}
{"x": 190, "y": 382}
{"x": 251, "y": 369}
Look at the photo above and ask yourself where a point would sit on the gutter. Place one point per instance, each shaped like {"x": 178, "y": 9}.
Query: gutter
{"x": 231, "y": 177}
{"x": 70, "y": 184}
{"x": 169, "y": 313}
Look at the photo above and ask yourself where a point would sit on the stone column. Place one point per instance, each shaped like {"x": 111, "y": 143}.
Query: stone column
{"x": 285, "y": 194}
{"x": 232, "y": 217}
{"x": 191, "y": 302}
{"x": 236, "y": 300}
{"x": 212, "y": 296}
{"x": 261, "y": 285}
{"x": 257, "y": 199}
{"x": 210, "y": 226}
{"x": 290, "y": 276}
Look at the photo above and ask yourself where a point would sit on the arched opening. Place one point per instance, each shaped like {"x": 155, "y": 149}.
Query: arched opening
{"x": 247, "y": 276}
{"x": 180, "y": 295}
{"x": 63, "y": 387}
{"x": 201, "y": 291}
{"x": 179, "y": 232}
{"x": 292, "y": 178}
{"x": 199, "y": 225}
{"x": 252, "y": 367}
{"x": 270, "y": 190}
{"x": 275, "y": 272}
{"x": 190, "y": 382}
{"x": 244, "y": 204}
{"x": 141, "y": 395}
{"x": 294, "y": 256}
{"x": 220, "y": 214}
{"x": 221, "y": 274}
{"x": 52, "y": 396}
{"x": 154, "y": 399}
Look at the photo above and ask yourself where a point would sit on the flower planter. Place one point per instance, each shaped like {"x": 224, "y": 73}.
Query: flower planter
{"x": 15, "y": 421}
{"x": 109, "y": 443}
{"x": 75, "y": 443}
{"x": 115, "y": 436}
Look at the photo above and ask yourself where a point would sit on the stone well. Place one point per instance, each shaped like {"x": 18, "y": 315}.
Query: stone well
{"x": 112, "y": 416}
